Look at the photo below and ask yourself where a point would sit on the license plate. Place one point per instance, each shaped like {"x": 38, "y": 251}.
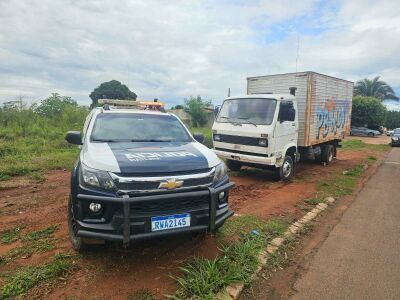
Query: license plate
{"x": 170, "y": 222}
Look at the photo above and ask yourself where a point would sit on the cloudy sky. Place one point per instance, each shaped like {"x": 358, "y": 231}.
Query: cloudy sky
{"x": 177, "y": 48}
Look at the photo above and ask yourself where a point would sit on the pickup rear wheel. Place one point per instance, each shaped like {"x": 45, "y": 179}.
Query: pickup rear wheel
{"x": 286, "y": 171}
{"x": 77, "y": 242}
{"x": 233, "y": 165}
{"x": 328, "y": 153}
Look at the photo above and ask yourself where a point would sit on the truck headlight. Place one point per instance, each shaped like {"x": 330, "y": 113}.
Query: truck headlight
{"x": 395, "y": 138}
{"x": 96, "y": 178}
{"x": 220, "y": 172}
{"x": 263, "y": 143}
{"x": 217, "y": 137}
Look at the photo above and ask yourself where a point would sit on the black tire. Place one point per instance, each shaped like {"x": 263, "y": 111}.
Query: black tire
{"x": 233, "y": 165}
{"x": 285, "y": 172}
{"x": 328, "y": 153}
{"x": 78, "y": 243}
{"x": 370, "y": 134}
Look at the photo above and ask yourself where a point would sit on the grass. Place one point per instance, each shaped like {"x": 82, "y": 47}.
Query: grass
{"x": 31, "y": 143}
{"x": 314, "y": 201}
{"x": 10, "y": 235}
{"x": 26, "y": 250}
{"x": 142, "y": 294}
{"x": 341, "y": 185}
{"x": 25, "y": 279}
{"x": 203, "y": 278}
{"x": 33, "y": 242}
{"x": 240, "y": 225}
{"x": 358, "y": 145}
{"x": 41, "y": 233}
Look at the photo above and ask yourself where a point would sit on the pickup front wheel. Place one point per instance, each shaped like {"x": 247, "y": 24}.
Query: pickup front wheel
{"x": 77, "y": 242}
{"x": 286, "y": 171}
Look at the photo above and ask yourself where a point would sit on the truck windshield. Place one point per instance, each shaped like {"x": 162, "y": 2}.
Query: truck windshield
{"x": 129, "y": 127}
{"x": 258, "y": 111}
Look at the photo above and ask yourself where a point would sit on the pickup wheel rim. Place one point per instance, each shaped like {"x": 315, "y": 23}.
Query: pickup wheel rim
{"x": 74, "y": 228}
{"x": 286, "y": 169}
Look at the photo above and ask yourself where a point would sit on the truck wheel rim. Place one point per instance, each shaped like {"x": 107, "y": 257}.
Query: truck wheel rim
{"x": 330, "y": 157}
{"x": 286, "y": 169}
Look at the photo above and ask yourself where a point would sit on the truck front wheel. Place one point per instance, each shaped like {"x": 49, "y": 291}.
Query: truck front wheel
{"x": 328, "y": 153}
{"x": 77, "y": 242}
{"x": 233, "y": 165}
{"x": 286, "y": 171}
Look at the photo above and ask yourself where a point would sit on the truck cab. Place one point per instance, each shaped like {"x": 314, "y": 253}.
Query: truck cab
{"x": 141, "y": 174}
{"x": 258, "y": 130}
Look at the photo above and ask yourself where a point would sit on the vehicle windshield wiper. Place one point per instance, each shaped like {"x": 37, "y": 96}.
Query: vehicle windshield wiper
{"x": 248, "y": 121}
{"x": 151, "y": 140}
{"x": 230, "y": 121}
{"x": 106, "y": 140}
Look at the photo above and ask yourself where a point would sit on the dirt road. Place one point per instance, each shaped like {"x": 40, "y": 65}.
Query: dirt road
{"x": 112, "y": 272}
{"x": 360, "y": 258}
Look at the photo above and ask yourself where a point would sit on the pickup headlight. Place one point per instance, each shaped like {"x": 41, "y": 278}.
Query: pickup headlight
{"x": 395, "y": 138}
{"x": 95, "y": 179}
{"x": 220, "y": 172}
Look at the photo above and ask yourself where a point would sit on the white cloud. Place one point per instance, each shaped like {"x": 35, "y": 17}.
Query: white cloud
{"x": 173, "y": 49}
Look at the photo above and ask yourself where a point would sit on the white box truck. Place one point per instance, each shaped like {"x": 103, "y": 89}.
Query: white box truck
{"x": 282, "y": 119}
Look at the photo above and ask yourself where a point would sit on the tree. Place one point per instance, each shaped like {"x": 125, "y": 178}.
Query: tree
{"x": 392, "y": 119}
{"x": 367, "y": 111}
{"x": 111, "y": 90}
{"x": 195, "y": 107}
{"x": 374, "y": 88}
{"x": 54, "y": 105}
{"x": 178, "y": 106}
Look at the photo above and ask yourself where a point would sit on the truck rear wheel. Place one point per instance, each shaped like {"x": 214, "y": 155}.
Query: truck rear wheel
{"x": 233, "y": 165}
{"x": 328, "y": 153}
{"x": 286, "y": 171}
{"x": 77, "y": 242}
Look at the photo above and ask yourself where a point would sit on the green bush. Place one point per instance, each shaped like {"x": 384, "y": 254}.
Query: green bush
{"x": 32, "y": 139}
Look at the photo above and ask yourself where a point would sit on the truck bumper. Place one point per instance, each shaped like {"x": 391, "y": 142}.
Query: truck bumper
{"x": 126, "y": 219}
{"x": 270, "y": 161}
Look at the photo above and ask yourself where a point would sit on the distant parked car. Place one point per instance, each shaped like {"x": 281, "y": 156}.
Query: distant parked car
{"x": 363, "y": 131}
{"x": 396, "y": 137}
{"x": 389, "y": 132}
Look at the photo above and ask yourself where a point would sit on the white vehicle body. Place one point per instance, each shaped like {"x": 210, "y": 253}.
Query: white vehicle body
{"x": 322, "y": 107}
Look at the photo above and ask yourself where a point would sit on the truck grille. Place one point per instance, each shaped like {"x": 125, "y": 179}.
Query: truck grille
{"x": 239, "y": 140}
{"x": 170, "y": 205}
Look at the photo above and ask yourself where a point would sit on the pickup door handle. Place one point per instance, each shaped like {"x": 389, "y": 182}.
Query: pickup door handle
{"x": 294, "y": 124}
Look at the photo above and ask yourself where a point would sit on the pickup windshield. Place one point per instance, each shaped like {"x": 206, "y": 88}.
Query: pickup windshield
{"x": 129, "y": 127}
{"x": 256, "y": 111}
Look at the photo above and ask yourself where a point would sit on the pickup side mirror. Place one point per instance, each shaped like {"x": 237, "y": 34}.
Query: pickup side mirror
{"x": 198, "y": 137}
{"x": 74, "y": 137}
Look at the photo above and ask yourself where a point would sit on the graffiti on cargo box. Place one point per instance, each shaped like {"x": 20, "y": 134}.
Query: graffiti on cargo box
{"x": 331, "y": 117}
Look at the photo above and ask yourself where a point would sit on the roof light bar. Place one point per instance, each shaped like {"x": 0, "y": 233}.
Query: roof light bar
{"x": 146, "y": 105}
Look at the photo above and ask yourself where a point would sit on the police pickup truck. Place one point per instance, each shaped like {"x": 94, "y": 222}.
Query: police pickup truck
{"x": 141, "y": 174}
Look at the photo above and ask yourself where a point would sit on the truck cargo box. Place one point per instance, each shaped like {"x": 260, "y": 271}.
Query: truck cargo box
{"x": 324, "y": 103}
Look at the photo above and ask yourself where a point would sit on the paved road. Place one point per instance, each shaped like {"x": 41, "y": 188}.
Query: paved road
{"x": 361, "y": 257}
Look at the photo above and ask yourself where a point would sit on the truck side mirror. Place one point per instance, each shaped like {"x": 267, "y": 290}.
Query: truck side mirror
{"x": 198, "y": 137}
{"x": 216, "y": 111}
{"x": 74, "y": 137}
{"x": 286, "y": 112}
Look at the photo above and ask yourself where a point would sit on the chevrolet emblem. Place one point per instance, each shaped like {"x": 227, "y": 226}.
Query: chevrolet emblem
{"x": 170, "y": 184}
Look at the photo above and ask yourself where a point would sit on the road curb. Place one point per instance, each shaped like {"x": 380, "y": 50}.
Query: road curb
{"x": 234, "y": 290}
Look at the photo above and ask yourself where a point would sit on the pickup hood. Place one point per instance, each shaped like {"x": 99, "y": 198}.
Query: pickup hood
{"x": 141, "y": 158}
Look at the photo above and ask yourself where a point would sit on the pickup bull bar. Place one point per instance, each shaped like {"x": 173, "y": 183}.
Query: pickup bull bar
{"x": 126, "y": 200}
